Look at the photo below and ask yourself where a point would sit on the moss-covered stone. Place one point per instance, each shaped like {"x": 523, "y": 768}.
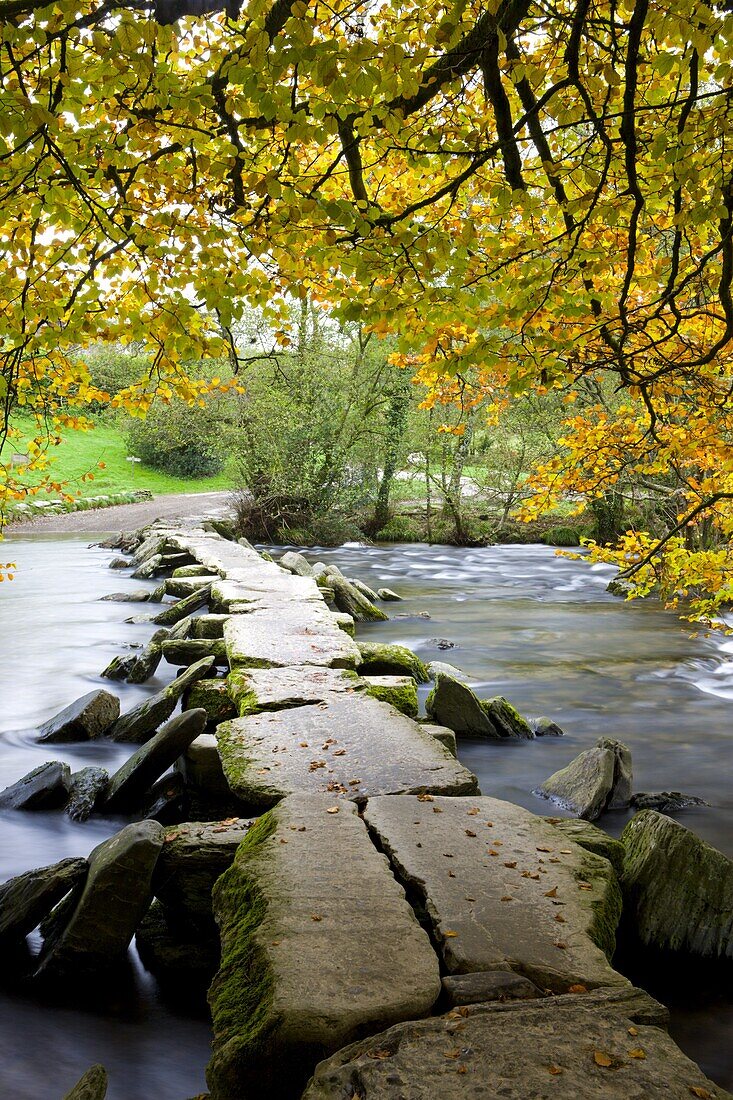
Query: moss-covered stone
{"x": 591, "y": 838}
{"x": 399, "y": 691}
{"x": 213, "y": 697}
{"x": 389, "y": 659}
{"x": 678, "y": 890}
{"x": 507, "y": 719}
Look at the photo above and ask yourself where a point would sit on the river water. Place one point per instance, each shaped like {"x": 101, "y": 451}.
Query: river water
{"x": 539, "y": 629}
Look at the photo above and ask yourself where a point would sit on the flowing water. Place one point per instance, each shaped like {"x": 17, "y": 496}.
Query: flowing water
{"x": 538, "y": 629}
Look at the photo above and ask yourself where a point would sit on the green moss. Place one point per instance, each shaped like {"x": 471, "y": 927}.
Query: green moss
{"x": 402, "y": 695}
{"x": 591, "y": 838}
{"x": 241, "y": 994}
{"x": 384, "y": 659}
{"x": 606, "y": 902}
{"x": 561, "y": 536}
{"x": 214, "y": 697}
{"x": 242, "y": 695}
{"x": 506, "y": 718}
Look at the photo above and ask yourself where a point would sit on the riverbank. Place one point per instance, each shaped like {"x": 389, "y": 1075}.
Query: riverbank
{"x": 174, "y": 506}
{"x": 313, "y": 776}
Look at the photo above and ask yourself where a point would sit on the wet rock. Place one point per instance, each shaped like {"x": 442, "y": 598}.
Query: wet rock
{"x": 488, "y": 985}
{"x": 201, "y": 769}
{"x": 313, "y": 955}
{"x": 192, "y": 571}
{"x": 507, "y": 720}
{"x": 151, "y": 567}
{"x": 620, "y": 587}
{"x": 27, "y": 899}
{"x": 45, "y": 788}
{"x": 591, "y": 838}
{"x": 501, "y": 890}
{"x": 388, "y": 595}
{"x": 345, "y": 623}
{"x": 351, "y": 601}
{"x": 140, "y": 723}
{"x": 352, "y": 746}
{"x": 91, "y": 1086}
{"x": 667, "y": 802}
{"x": 678, "y": 890}
{"x": 171, "y": 950}
{"x": 85, "y": 788}
{"x": 545, "y": 727}
{"x": 119, "y": 667}
{"x": 193, "y": 857}
{"x": 169, "y": 616}
{"x": 297, "y": 564}
{"x": 257, "y": 689}
{"x": 147, "y": 662}
{"x": 446, "y": 737}
{"x": 182, "y": 587}
{"x": 116, "y": 895}
{"x": 399, "y": 691}
{"x": 386, "y": 659}
{"x": 166, "y": 800}
{"x": 442, "y": 643}
{"x": 208, "y": 626}
{"x": 128, "y": 785}
{"x": 136, "y": 595}
{"x": 453, "y": 704}
{"x": 153, "y": 545}
{"x": 83, "y": 720}
{"x": 187, "y": 651}
{"x": 597, "y": 780}
{"x": 604, "y": 1045}
{"x": 434, "y": 667}
{"x": 119, "y": 563}
{"x": 365, "y": 590}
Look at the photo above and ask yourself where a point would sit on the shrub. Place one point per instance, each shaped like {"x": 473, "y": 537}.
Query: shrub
{"x": 561, "y": 536}
{"x": 183, "y": 440}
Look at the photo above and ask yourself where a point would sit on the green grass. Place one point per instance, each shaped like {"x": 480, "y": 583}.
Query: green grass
{"x": 80, "y": 453}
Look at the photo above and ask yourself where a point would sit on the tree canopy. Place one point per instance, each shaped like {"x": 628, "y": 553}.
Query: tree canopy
{"x": 529, "y": 194}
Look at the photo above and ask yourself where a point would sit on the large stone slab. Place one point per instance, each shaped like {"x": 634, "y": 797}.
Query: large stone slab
{"x": 502, "y": 890}
{"x": 351, "y": 746}
{"x": 94, "y": 930}
{"x": 606, "y": 1045}
{"x": 294, "y": 634}
{"x": 256, "y": 689}
{"x": 86, "y": 718}
{"x": 678, "y": 890}
{"x": 319, "y": 945}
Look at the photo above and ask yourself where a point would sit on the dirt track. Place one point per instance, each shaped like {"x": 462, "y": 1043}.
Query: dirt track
{"x": 125, "y": 517}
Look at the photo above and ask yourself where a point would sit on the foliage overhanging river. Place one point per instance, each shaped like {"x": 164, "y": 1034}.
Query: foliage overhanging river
{"x": 526, "y": 624}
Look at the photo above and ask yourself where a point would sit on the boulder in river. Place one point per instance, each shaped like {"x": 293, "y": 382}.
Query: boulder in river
{"x": 399, "y": 691}
{"x": 145, "y": 663}
{"x": 388, "y": 659}
{"x": 507, "y": 719}
{"x": 214, "y": 697}
{"x": 94, "y": 932}
{"x": 597, "y": 780}
{"x": 388, "y": 595}
{"x": 186, "y": 651}
{"x": 350, "y": 600}
{"x": 365, "y": 590}
{"x": 85, "y": 789}
{"x": 91, "y": 1086}
{"x": 128, "y": 785}
{"x": 83, "y": 720}
{"x": 434, "y": 667}
{"x": 120, "y": 667}
{"x": 135, "y": 595}
{"x": 173, "y": 614}
{"x": 678, "y": 890}
{"x": 296, "y": 563}
{"x": 140, "y": 723}
{"x": 453, "y": 704}
{"x": 667, "y": 802}
{"x": 27, "y": 899}
{"x": 45, "y": 788}
{"x": 545, "y": 727}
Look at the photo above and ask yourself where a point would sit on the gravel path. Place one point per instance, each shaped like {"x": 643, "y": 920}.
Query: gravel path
{"x": 125, "y": 517}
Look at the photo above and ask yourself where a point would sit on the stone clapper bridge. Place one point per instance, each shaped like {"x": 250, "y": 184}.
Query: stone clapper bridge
{"x": 387, "y": 932}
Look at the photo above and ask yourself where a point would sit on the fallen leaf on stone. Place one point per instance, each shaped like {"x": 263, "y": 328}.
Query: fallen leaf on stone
{"x": 339, "y": 752}
{"x": 566, "y": 851}
{"x": 303, "y": 744}
{"x": 283, "y": 840}
{"x": 542, "y": 848}
{"x": 380, "y": 1055}
{"x": 489, "y": 824}
{"x": 637, "y": 1053}
{"x": 332, "y": 810}
{"x": 315, "y": 917}
{"x": 554, "y": 1070}
{"x": 584, "y": 886}
{"x": 425, "y": 798}
{"x": 578, "y": 989}
{"x": 470, "y": 899}
{"x": 562, "y": 946}
{"x": 602, "y": 1059}
{"x": 461, "y": 1069}
{"x": 448, "y": 855}
{"x": 554, "y": 859}
{"x": 469, "y": 833}
{"x": 702, "y": 1093}
{"x": 451, "y": 874}
{"x": 512, "y": 863}
{"x": 560, "y": 918}
{"x": 452, "y": 1054}
{"x": 493, "y": 852}
{"x": 449, "y": 934}
{"x": 551, "y": 893}
{"x": 553, "y": 820}
{"x": 437, "y": 810}
{"x": 354, "y": 782}
{"x": 473, "y": 812}
{"x": 507, "y": 897}
{"x": 633, "y": 1031}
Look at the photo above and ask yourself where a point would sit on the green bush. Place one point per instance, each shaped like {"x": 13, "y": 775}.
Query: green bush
{"x": 561, "y": 536}
{"x": 180, "y": 439}
{"x": 402, "y": 529}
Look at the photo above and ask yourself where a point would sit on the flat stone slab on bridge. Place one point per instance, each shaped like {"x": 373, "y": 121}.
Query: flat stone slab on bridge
{"x": 502, "y": 890}
{"x": 605, "y": 1045}
{"x": 352, "y": 746}
{"x": 299, "y": 634}
{"x": 319, "y": 946}
{"x": 257, "y": 689}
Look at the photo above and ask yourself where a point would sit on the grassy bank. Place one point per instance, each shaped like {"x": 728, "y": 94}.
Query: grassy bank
{"x": 81, "y": 452}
